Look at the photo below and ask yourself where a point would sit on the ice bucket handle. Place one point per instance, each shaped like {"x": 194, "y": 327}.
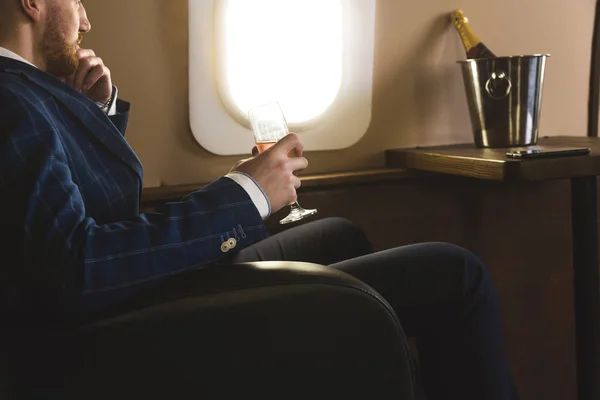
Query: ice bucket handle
{"x": 498, "y": 85}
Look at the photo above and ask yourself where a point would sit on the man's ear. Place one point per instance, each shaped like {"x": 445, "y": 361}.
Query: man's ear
{"x": 33, "y": 8}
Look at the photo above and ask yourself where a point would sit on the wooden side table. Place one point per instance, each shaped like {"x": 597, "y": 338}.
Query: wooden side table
{"x": 492, "y": 164}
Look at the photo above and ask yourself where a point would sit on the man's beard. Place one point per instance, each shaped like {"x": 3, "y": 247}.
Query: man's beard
{"x": 60, "y": 56}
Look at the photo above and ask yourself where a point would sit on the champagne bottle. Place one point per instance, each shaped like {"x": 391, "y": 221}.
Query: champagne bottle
{"x": 473, "y": 46}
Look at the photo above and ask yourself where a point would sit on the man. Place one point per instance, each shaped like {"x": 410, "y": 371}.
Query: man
{"x": 70, "y": 193}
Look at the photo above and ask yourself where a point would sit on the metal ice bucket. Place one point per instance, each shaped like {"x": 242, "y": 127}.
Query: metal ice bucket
{"x": 504, "y": 95}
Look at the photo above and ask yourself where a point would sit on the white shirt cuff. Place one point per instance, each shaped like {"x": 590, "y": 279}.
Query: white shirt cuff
{"x": 257, "y": 195}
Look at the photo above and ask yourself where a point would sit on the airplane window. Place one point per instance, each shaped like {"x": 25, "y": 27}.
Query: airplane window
{"x": 315, "y": 57}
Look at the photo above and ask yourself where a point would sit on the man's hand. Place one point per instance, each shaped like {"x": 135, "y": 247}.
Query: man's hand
{"x": 274, "y": 171}
{"x": 92, "y": 77}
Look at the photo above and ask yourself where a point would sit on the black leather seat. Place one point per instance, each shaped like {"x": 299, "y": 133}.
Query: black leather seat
{"x": 272, "y": 330}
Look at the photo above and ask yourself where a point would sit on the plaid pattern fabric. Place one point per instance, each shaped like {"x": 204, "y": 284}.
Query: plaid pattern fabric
{"x": 71, "y": 187}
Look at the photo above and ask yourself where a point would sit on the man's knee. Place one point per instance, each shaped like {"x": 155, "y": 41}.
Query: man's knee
{"x": 472, "y": 271}
{"x": 349, "y": 232}
{"x": 342, "y": 238}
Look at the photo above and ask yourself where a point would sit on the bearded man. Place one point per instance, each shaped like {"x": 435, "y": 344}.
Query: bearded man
{"x": 76, "y": 245}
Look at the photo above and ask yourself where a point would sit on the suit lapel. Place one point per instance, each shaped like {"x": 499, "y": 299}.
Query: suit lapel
{"x": 82, "y": 108}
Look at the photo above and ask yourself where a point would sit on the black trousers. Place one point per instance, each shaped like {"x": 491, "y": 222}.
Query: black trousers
{"x": 442, "y": 294}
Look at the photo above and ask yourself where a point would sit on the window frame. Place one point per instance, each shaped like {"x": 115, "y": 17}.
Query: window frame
{"x": 222, "y": 131}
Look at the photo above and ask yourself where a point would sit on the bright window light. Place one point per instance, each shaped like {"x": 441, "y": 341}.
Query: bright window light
{"x": 289, "y": 51}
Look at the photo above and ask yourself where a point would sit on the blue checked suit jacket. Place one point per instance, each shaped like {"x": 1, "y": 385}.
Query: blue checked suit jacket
{"x": 70, "y": 190}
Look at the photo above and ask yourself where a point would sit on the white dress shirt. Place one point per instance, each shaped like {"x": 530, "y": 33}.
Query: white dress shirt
{"x": 257, "y": 195}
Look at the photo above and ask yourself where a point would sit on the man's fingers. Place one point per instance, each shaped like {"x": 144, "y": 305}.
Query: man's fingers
{"x": 96, "y": 73}
{"x": 297, "y": 182}
{"x": 290, "y": 142}
{"x": 298, "y": 163}
{"x": 86, "y": 66}
{"x": 84, "y": 53}
{"x": 298, "y": 152}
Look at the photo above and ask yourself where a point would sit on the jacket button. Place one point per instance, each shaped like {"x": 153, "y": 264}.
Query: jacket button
{"x": 232, "y": 243}
{"x": 225, "y": 247}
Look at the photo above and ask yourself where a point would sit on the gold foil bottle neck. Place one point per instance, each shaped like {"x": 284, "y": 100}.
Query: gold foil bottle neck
{"x": 461, "y": 23}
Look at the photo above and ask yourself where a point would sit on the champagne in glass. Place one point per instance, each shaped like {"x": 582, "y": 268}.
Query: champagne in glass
{"x": 262, "y": 146}
{"x": 269, "y": 126}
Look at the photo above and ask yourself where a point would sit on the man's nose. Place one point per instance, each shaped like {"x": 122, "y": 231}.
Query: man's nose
{"x": 84, "y": 22}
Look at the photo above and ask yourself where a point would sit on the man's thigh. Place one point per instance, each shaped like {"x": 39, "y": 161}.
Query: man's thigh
{"x": 425, "y": 283}
{"x": 325, "y": 242}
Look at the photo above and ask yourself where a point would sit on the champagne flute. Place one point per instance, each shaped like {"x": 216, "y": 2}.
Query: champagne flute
{"x": 269, "y": 126}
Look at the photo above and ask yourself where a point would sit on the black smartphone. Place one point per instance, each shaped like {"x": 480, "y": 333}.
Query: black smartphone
{"x": 547, "y": 152}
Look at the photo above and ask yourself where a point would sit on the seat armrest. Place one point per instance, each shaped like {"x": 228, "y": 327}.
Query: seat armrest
{"x": 252, "y": 276}
{"x": 261, "y": 325}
